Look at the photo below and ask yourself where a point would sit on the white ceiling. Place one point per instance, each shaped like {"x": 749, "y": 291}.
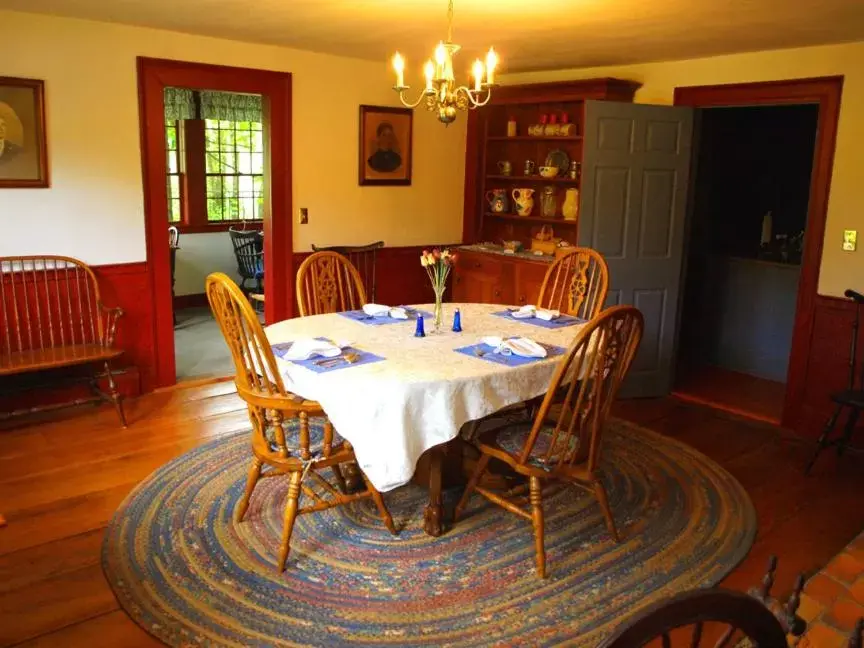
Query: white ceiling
{"x": 528, "y": 35}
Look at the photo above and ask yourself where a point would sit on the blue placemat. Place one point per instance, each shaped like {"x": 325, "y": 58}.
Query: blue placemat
{"x": 508, "y": 360}
{"x": 360, "y": 316}
{"x": 561, "y": 321}
{"x": 365, "y": 357}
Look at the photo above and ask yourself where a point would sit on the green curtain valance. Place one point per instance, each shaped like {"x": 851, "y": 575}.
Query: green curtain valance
{"x": 180, "y": 103}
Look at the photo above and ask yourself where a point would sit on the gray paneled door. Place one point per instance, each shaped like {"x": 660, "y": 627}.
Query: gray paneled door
{"x": 636, "y": 167}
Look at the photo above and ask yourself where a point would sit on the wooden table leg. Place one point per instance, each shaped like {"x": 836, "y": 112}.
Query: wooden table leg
{"x": 433, "y": 516}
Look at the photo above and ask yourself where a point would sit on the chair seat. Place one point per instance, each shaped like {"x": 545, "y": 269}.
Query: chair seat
{"x": 316, "y": 436}
{"x": 63, "y": 356}
{"x": 512, "y": 437}
{"x": 850, "y": 397}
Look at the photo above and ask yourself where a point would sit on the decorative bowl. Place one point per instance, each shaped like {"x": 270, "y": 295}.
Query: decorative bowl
{"x": 548, "y": 171}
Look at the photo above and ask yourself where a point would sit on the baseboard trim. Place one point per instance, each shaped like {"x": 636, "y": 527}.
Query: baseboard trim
{"x": 196, "y": 300}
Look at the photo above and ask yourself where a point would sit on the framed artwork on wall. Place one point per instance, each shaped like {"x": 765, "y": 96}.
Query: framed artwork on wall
{"x": 385, "y": 145}
{"x": 23, "y": 150}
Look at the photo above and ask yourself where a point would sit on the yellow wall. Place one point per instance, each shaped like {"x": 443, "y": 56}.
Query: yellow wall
{"x": 840, "y": 270}
{"x": 94, "y": 208}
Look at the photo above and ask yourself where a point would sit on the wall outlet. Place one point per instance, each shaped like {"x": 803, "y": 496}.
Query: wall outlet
{"x": 850, "y": 240}
{"x": 304, "y": 216}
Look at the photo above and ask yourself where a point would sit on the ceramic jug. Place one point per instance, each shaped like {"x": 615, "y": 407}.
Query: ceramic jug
{"x": 498, "y": 201}
{"x": 524, "y": 199}
{"x": 570, "y": 208}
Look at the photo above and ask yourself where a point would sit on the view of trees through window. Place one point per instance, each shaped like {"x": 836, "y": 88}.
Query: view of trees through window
{"x": 233, "y": 164}
{"x": 235, "y": 168}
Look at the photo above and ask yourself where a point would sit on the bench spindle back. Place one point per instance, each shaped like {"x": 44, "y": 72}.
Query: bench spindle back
{"x": 47, "y": 302}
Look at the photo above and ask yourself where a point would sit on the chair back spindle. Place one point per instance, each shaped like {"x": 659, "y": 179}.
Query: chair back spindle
{"x": 576, "y": 284}
{"x": 327, "y": 282}
{"x": 591, "y": 372}
{"x": 363, "y": 258}
{"x": 48, "y": 302}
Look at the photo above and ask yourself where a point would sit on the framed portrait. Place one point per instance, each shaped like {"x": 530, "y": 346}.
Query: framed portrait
{"x": 385, "y": 145}
{"x": 23, "y": 151}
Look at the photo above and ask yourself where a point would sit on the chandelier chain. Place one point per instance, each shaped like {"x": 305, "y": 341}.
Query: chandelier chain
{"x": 450, "y": 22}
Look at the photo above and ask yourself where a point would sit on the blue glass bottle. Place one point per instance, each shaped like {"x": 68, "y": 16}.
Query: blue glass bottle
{"x": 419, "y": 331}
{"x": 457, "y": 321}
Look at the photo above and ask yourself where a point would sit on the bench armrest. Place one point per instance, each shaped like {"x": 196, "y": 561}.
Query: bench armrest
{"x": 110, "y": 316}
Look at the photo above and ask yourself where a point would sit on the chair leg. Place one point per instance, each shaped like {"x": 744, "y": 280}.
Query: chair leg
{"x": 251, "y": 481}
{"x": 472, "y": 484}
{"x": 536, "y": 498}
{"x": 848, "y": 430}
{"x": 115, "y": 395}
{"x": 340, "y": 478}
{"x": 379, "y": 502}
{"x": 823, "y": 438}
{"x": 600, "y": 494}
{"x": 291, "y": 503}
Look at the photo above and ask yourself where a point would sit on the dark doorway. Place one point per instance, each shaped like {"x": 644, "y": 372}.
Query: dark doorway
{"x": 749, "y": 219}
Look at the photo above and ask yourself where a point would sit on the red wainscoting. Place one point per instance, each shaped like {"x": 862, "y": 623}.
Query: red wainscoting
{"x": 400, "y": 279}
{"x": 827, "y": 366}
{"x": 125, "y": 285}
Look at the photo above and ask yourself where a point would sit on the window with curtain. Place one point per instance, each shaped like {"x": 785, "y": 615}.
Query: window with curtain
{"x": 215, "y": 158}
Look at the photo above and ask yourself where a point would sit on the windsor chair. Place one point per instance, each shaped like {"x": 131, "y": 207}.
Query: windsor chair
{"x": 291, "y": 436}
{"x": 566, "y": 445}
{"x": 327, "y": 282}
{"x": 576, "y": 284}
{"x": 249, "y": 253}
{"x": 851, "y": 399}
{"x": 362, "y": 257}
{"x": 52, "y": 316}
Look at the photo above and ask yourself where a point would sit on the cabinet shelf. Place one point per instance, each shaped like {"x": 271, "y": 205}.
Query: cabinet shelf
{"x": 530, "y": 219}
{"x": 532, "y": 178}
{"x": 533, "y": 138}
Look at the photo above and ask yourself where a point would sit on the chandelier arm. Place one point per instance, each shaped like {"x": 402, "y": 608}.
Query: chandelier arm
{"x": 475, "y": 103}
{"x": 409, "y": 104}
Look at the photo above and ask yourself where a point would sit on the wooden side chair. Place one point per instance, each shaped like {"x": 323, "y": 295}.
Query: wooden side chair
{"x": 564, "y": 446}
{"x": 362, "y": 257}
{"x": 576, "y": 284}
{"x": 249, "y": 253}
{"x": 282, "y": 438}
{"x": 327, "y": 282}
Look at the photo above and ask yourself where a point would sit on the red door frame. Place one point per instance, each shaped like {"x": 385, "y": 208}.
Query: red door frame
{"x": 154, "y": 75}
{"x": 826, "y": 92}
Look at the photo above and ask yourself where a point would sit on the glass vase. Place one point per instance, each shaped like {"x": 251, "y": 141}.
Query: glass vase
{"x": 438, "y": 314}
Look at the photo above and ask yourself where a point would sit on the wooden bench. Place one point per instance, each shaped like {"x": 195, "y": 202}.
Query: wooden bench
{"x": 52, "y": 316}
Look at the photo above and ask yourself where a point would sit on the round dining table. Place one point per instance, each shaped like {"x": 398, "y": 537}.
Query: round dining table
{"x": 403, "y": 395}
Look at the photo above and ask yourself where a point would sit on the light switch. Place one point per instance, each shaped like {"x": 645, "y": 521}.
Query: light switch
{"x": 850, "y": 240}
{"x": 304, "y": 215}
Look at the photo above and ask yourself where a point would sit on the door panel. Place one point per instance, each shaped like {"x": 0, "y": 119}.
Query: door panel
{"x": 636, "y": 167}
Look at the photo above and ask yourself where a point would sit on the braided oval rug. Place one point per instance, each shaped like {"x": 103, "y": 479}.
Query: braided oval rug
{"x": 184, "y": 571}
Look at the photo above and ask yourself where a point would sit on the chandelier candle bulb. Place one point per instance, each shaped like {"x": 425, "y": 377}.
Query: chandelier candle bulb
{"x": 430, "y": 74}
{"x": 399, "y": 66}
{"x": 478, "y": 75}
{"x": 491, "y": 62}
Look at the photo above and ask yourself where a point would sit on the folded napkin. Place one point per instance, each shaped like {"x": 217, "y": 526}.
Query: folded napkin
{"x": 529, "y": 311}
{"x": 305, "y": 348}
{"x": 380, "y": 310}
{"x": 520, "y": 346}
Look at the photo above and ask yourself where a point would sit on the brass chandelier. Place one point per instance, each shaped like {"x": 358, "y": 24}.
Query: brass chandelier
{"x": 441, "y": 94}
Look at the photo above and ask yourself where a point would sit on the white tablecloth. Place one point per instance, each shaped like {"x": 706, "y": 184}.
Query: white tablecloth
{"x": 423, "y": 392}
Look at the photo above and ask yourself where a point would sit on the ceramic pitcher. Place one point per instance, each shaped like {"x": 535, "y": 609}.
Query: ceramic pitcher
{"x": 570, "y": 208}
{"x": 498, "y": 200}
{"x": 524, "y": 199}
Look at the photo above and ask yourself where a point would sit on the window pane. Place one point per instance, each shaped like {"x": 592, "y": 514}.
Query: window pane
{"x": 229, "y": 186}
{"x": 211, "y": 140}
{"x": 213, "y": 165}
{"x": 227, "y": 163}
{"x": 174, "y": 183}
{"x": 232, "y": 209}
{"x": 244, "y": 162}
{"x": 214, "y": 186}
{"x": 258, "y": 142}
{"x": 245, "y": 185}
{"x": 171, "y": 138}
{"x": 257, "y": 163}
{"x": 214, "y": 209}
{"x": 226, "y": 140}
{"x": 257, "y": 126}
{"x": 243, "y": 139}
{"x": 211, "y": 123}
{"x": 172, "y": 162}
{"x": 225, "y": 124}
{"x": 174, "y": 216}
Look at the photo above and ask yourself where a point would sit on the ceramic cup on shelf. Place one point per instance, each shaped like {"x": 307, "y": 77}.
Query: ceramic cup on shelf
{"x": 505, "y": 168}
{"x": 524, "y": 199}
{"x": 498, "y": 201}
{"x": 529, "y": 168}
{"x": 549, "y": 171}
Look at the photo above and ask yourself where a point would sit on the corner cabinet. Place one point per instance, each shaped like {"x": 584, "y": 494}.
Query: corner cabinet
{"x": 492, "y": 144}
{"x": 492, "y": 278}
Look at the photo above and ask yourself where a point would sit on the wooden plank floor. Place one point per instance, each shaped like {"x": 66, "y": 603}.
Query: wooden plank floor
{"x": 63, "y": 475}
